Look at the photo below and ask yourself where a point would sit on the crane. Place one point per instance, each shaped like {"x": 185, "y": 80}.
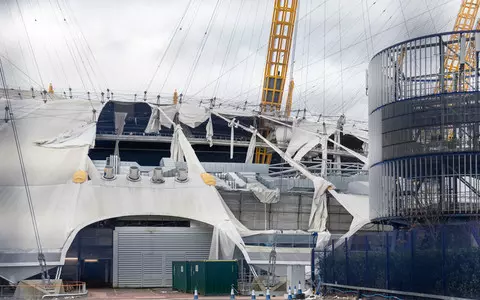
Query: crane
{"x": 279, "y": 49}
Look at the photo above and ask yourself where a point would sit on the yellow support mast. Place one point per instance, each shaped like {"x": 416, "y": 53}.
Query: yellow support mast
{"x": 279, "y": 48}
{"x": 291, "y": 85}
{"x": 465, "y": 21}
{"x": 279, "y": 45}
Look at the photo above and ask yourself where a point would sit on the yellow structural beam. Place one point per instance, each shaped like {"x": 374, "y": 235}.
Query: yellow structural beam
{"x": 278, "y": 55}
{"x": 465, "y": 21}
{"x": 279, "y": 46}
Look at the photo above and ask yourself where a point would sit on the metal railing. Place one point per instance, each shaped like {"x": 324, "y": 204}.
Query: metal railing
{"x": 416, "y": 68}
{"x": 54, "y": 290}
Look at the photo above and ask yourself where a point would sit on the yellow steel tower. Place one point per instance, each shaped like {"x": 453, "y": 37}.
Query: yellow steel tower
{"x": 279, "y": 46}
{"x": 465, "y": 21}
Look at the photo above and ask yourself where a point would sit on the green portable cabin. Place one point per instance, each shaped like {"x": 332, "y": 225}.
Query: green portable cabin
{"x": 213, "y": 277}
{"x": 181, "y": 276}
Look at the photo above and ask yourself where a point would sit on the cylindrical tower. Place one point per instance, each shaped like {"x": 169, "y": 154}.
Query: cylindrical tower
{"x": 424, "y": 127}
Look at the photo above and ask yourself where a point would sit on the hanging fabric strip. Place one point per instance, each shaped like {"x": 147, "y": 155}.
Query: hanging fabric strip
{"x": 176, "y": 152}
{"x": 232, "y": 126}
{"x": 251, "y": 148}
{"x": 209, "y": 130}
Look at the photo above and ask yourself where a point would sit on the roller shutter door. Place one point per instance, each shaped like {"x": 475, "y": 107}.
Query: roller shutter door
{"x": 142, "y": 256}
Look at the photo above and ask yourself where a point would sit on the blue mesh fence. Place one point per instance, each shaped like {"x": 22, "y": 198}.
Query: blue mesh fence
{"x": 443, "y": 259}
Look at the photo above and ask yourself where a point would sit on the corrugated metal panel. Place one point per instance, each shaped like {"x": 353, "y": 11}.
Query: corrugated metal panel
{"x": 143, "y": 256}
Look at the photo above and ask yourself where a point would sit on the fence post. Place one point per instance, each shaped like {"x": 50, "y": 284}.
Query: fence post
{"x": 366, "y": 262}
{"x": 387, "y": 265}
{"x": 412, "y": 259}
{"x": 444, "y": 279}
{"x": 346, "y": 260}
{"x": 333, "y": 261}
{"x": 312, "y": 269}
{"x": 324, "y": 279}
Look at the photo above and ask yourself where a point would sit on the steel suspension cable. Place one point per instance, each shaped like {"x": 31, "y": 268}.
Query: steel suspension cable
{"x": 41, "y": 256}
{"x": 169, "y": 44}
{"x": 218, "y": 43}
{"x": 229, "y": 45}
{"x": 200, "y": 49}
{"x": 30, "y": 44}
{"x": 189, "y": 26}
{"x": 87, "y": 44}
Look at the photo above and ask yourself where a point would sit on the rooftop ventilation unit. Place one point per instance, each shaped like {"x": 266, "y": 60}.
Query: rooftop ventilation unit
{"x": 157, "y": 176}
{"x": 108, "y": 173}
{"x": 134, "y": 174}
{"x": 182, "y": 175}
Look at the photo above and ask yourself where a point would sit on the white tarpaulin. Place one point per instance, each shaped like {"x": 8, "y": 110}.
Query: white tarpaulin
{"x": 233, "y": 112}
{"x": 358, "y": 188}
{"x": 232, "y": 136}
{"x": 38, "y": 121}
{"x": 209, "y": 130}
{"x": 264, "y": 194}
{"x": 192, "y": 115}
{"x": 120, "y": 122}
{"x": 357, "y": 205}
{"x": 222, "y": 246}
{"x": 82, "y": 136}
{"x": 283, "y": 135}
{"x": 176, "y": 152}
{"x": 251, "y": 148}
{"x": 318, "y": 214}
{"x": 305, "y": 136}
{"x": 312, "y": 143}
{"x": 157, "y": 120}
{"x": 322, "y": 239}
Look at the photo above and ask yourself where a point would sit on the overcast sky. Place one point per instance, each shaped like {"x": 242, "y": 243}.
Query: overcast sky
{"x": 118, "y": 44}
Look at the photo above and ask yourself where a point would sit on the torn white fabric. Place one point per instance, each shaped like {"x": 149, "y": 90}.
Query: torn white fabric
{"x": 251, "y": 148}
{"x": 354, "y": 228}
{"x": 222, "y": 247}
{"x": 192, "y": 115}
{"x": 157, "y": 120}
{"x": 264, "y": 194}
{"x": 209, "y": 130}
{"x": 81, "y": 136}
{"x": 176, "y": 152}
{"x": 306, "y": 132}
{"x": 120, "y": 122}
{"x": 358, "y": 188}
{"x": 232, "y": 137}
{"x": 312, "y": 143}
{"x": 234, "y": 112}
{"x": 38, "y": 121}
{"x": 153, "y": 125}
{"x": 283, "y": 135}
{"x": 318, "y": 214}
{"x": 322, "y": 239}
{"x": 357, "y": 205}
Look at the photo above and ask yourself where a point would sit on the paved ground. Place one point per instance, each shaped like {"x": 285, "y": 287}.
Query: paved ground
{"x": 150, "y": 294}
{"x": 146, "y": 294}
